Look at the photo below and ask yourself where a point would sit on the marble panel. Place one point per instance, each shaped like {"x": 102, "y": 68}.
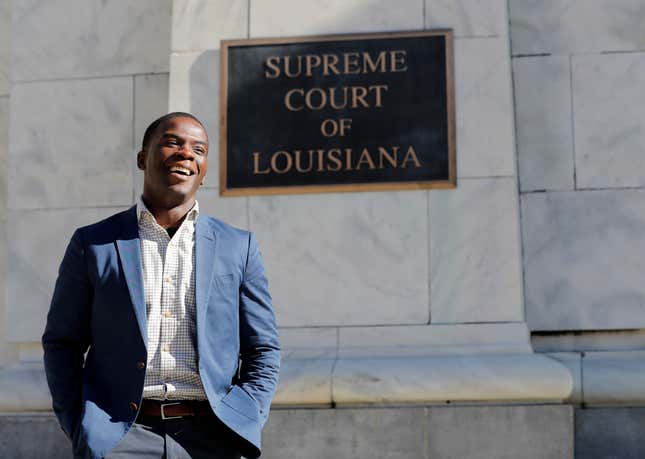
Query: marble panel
{"x": 308, "y": 343}
{"x": 468, "y": 18}
{"x": 233, "y": 211}
{"x": 4, "y": 153}
{"x": 71, "y": 144}
{"x": 83, "y": 38}
{"x": 609, "y": 108}
{"x": 573, "y": 362}
{"x": 38, "y": 242}
{"x": 543, "y": 122}
{"x": 5, "y": 45}
{"x": 345, "y": 259}
{"x": 583, "y": 259}
{"x": 314, "y": 17}
{"x": 575, "y": 26}
{"x": 484, "y": 108}
{"x": 426, "y": 340}
{"x": 194, "y": 88}
{"x": 614, "y": 378}
{"x": 201, "y": 24}
{"x": 475, "y": 253}
{"x": 150, "y": 102}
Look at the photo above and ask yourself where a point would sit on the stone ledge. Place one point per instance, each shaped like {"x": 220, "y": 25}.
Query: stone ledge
{"x": 325, "y": 381}
{"x": 423, "y": 380}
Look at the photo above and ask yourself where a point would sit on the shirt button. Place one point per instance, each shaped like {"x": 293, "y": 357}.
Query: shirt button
{"x": 141, "y": 365}
{"x": 133, "y": 406}
{"x": 167, "y": 314}
{"x": 169, "y": 279}
{"x": 165, "y": 348}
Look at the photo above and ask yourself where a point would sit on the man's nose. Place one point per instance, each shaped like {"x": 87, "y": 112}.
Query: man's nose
{"x": 186, "y": 151}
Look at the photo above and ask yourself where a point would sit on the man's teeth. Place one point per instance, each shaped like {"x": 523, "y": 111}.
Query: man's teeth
{"x": 181, "y": 170}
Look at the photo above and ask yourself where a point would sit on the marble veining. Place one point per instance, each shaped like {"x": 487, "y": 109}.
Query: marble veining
{"x": 71, "y": 144}
{"x": 543, "y": 122}
{"x": 475, "y": 253}
{"x": 575, "y": 26}
{"x": 83, "y": 38}
{"x": 484, "y": 108}
{"x": 609, "y": 108}
{"x": 201, "y": 24}
{"x": 583, "y": 259}
{"x": 340, "y": 259}
{"x": 468, "y": 18}
{"x": 314, "y": 17}
{"x": 38, "y": 242}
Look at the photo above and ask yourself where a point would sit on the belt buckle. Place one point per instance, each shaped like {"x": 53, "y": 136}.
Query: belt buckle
{"x": 163, "y": 413}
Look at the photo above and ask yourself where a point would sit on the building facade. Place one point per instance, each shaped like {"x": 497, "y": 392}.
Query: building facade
{"x": 502, "y": 318}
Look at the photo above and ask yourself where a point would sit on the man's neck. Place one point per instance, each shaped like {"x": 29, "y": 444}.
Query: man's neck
{"x": 170, "y": 217}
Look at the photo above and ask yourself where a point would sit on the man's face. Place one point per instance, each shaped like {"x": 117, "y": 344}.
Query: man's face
{"x": 175, "y": 162}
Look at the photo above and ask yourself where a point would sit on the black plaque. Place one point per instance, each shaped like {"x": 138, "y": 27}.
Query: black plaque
{"x": 337, "y": 113}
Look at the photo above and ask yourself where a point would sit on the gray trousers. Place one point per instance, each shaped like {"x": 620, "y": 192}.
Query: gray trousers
{"x": 185, "y": 438}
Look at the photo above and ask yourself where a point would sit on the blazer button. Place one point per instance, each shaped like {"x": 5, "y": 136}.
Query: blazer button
{"x": 141, "y": 365}
{"x": 133, "y": 406}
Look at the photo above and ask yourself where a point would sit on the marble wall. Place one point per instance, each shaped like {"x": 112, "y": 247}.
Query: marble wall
{"x": 386, "y": 258}
{"x": 85, "y": 79}
{"x": 578, "y": 68}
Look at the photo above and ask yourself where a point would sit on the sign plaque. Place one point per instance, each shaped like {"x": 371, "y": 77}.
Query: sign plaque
{"x": 337, "y": 113}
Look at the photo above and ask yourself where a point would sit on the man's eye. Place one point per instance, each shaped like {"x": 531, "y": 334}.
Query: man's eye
{"x": 172, "y": 142}
{"x": 199, "y": 151}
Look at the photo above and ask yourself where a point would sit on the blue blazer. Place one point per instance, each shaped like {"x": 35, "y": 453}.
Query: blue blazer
{"x": 98, "y": 307}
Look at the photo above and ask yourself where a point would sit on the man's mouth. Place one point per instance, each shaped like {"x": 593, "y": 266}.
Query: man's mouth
{"x": 181, "y": 170}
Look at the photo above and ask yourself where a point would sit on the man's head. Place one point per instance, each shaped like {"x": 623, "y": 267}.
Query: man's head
{"x": 174, "y": 159}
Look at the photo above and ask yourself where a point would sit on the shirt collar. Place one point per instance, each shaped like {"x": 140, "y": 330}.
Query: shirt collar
{"x": 142, "y": 210}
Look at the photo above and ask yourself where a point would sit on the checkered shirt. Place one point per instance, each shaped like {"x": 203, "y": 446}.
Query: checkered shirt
{"x": 169, "y": 286}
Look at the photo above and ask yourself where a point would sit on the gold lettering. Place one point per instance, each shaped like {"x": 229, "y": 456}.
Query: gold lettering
{"x": 411, "y": 155}
{"x": 272, "y": 63}
{"x": 378, "y": 88}
{"x": 356, "y": 97}
{"x": 299, "y": 167}
{"x": 256, "y": 164}
{"x": 383, "y": 153}
{"x": 398, "y": 57}
{"x": 330, "y": 65}
{"x": 365, "y": 158}
{"x": 323, "y": 99}
{"x": 348, "y": 159}
{"x": 332, "y": 98}
{"x": 353, "y": 63}
{"x": 373, "y": 66}
{"x": 287, "y": 100}
{"x": 274, "y": 162}
{"x": 311, "y": 61}
{"x": 332, "y": 155}
{"x": 287, "y": 62}
{"x": 320, "y": 160}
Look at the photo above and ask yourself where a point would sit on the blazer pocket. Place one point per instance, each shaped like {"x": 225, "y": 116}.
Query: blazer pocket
{"x": 243, "y": 403}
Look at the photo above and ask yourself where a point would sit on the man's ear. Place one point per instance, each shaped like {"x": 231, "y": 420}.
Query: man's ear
{"x": 141, "y": 160}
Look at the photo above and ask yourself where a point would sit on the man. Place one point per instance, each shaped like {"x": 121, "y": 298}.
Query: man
{"x": 161, "y": 338}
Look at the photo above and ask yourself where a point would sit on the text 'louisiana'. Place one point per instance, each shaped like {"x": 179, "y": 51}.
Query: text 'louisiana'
{"x": 334, "y": 160}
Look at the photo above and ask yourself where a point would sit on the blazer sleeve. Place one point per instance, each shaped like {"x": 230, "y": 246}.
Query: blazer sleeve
{"x": 67, "y": 335}
{"x": 259, "y": 346}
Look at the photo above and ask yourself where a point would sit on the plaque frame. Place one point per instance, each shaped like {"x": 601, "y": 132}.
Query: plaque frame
{"x": 451, "y": 182}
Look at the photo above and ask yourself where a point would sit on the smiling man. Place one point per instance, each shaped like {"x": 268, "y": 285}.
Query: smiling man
{"x": 161, "y": 338}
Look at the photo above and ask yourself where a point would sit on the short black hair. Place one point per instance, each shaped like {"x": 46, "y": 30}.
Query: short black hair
{"x": 150, "y": 130}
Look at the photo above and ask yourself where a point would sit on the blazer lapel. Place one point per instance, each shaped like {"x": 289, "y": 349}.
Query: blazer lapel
{"x": 205, "y": 243}
{"x": 129, "y": 248}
